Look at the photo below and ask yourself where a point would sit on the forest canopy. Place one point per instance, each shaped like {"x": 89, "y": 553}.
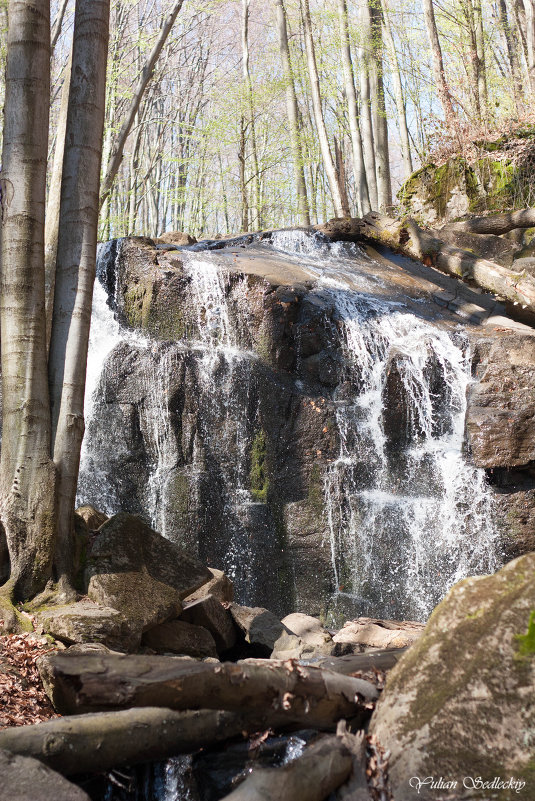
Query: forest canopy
{"x": 210, "y": 147}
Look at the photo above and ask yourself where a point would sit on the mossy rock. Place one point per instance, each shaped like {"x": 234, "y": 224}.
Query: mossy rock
{"x": 495, "y": 181}
{"x": 461, "y": 701}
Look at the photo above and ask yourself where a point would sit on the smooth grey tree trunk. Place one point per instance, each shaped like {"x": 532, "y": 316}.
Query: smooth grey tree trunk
{"x": 292, "y": 111}
{"x": 368, "y": 147}
{"x": 359, "y": 170}
{"x": 26, "y": 471}
{"x": 380, "y": 121}
{"x": 53, "y": 202}
{"x": 512, "y": 53}
{"x": 117, "y": 151}
{"x": 76, "y": 256}
{"x": 340, "y": 209}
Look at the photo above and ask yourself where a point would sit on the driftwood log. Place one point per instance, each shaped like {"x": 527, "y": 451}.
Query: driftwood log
{"x": 324, "y": 766}
{"x": 105, "y": 740}
{"x": 78, "y": 683}
{"x": 406, "y": 237}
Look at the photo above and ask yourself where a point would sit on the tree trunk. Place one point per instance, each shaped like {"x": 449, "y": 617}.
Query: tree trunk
{"x": 359, "y": 170}
{"x": 368, "y": 145}
{"x": 54, "y": 199}
{"x": 75, "y": 266}
{"x": 90, "y": 683}
{"x": 26, "y": 471}
{"x": 324, "y": 766}
{"x": 482, "y": 68}
{"x": 406, "y": 237}
{"x": 106, "y": 740}
{"x": 292, "y": 111}
{"x": 438, "y": 68}
{"x": 497, "y": 223}
{"x": 398, "y": 93}
{"x": 512, "y": 54}
{"x": 340, "y": 209}
{"x": 258, "y": 223}
{"x": 118, "y": 147}
{"x": 529, "y": 10}
{"x": 382, "y": 154}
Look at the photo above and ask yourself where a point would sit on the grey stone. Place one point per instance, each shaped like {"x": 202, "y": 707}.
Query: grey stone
{"x": 460, "y": 701}
{"x": 27, "y": 779}
{"x": 211, "y": 615}
{"x": 262, "y": 628}
{"x": 88, "y": 622}
{"x": 220, "y": 587}
{"x": 179, "y": 637}
{"x": 373, "y": 633}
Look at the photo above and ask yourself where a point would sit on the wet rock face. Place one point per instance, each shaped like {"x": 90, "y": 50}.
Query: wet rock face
{"x": 500, "y": 433}
{"x": 445, "y": 716}
{"x": 227, "y": 449}
{"x": 501, "y": 409}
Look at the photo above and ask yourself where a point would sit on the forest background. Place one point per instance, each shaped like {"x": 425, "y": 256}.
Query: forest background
{"x": 211, "y": 149}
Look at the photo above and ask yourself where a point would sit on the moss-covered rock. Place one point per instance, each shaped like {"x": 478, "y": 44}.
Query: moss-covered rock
{"x": 498, "y": 176}
{"x": 461, "y": 702}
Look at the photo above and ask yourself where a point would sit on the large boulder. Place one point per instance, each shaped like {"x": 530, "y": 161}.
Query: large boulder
{"x": 178, "y": 238}
{"x": 89, "y": 622}
{"x": 27, "y": 779}
{"x": 460, "y": 702}
{"x": 135, "y": 570}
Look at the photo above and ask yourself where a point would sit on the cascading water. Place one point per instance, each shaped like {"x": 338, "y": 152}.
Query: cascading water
{"x": 223, "y": 382}
{"x": 407, "y": 515}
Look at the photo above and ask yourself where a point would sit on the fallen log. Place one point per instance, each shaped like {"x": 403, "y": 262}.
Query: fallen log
{"x": 496, "y": 223}
{"x": 99, "y": 682}
{"x": 105, "y": 740}
{"x": 405, "y": 236}
{"x": 324, "y": 766}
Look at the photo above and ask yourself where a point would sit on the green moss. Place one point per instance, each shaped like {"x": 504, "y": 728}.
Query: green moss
{"x": 526, "y": 642}
{"x": 258, "y": 475}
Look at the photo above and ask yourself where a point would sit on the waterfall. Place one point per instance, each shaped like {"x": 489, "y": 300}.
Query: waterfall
{"x": 404, "y": 514}
{"x": 407, "y": 515}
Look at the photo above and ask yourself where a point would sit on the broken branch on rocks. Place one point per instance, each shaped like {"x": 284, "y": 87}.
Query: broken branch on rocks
{"x": 324, "y": 766}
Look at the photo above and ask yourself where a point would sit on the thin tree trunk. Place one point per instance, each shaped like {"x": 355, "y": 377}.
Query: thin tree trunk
{"x": 438, "y": 68}
{"x": 382, "y": 153}
{"x": 482, "y": 68}
{"x": 529, "y": 11}
{"x": 398, "y": 92}
{"x": 27, "y": 475}
{"x": 118, "y": 146}
{"x": 292, "y": 111}
{"x": 250, "y": 102}
{"x": 359, "y": 170}
{"x": 366, "y": 123}
{"x": 53, "y": 202}
{"x": 243, "y": 182}
{"x": 340, "y": 209}
{"x": 75, "y": 268}
{"x": 512, "y": 54}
